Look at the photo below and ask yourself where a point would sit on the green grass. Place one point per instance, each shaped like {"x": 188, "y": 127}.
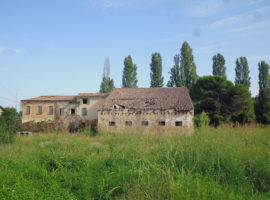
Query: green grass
{"x": 222, "y": 163}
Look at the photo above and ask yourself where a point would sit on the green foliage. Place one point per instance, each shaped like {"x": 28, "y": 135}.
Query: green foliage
{"x": 187, "y": 66}
{"x": 242, "y": 105}
{"x": 263, "y": 99}
{"x": 221, "y": 163}
{"x": 221, "y": 100}
{"x": 156, "y": 71}
{"x": 175, "y": 78}
{"x": 9, "y": 125}
{"x": 219, "y": 68}
{"x": 242, "y": 72}
{"x": 129, "y": 78}
{"x": 107, "y": 85}
{"x": 202, "y": 120}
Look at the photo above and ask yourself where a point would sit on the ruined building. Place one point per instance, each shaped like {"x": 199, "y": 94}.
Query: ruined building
{"x": 146, "y": 108}
{"x": 150, "y": 108}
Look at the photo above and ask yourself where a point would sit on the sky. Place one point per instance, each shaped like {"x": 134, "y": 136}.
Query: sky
{"x": 58, "y": 47}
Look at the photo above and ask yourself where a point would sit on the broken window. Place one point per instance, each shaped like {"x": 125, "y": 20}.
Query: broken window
{"x": 150, "y": 102}
{"x": 28, "y": 110}
{"x": 39, "y": 110}
{"x": 161, "y": 123}
{"x": 85, "y": 101}
{"x": 111, "y": 123}
{"x": 72, "y": 111}
{"x": 117, "y": 107}
{"x": 178, "y": 123}
{"x": 61, "y": 111}
{"x": 84, "y": 111}
{"x": 128, "y": 123}
{"x": 145, "y": 123}
{"x": 50, "y": 110}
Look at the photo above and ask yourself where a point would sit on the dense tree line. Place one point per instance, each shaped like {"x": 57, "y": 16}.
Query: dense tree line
{"x": 222, "y": 100}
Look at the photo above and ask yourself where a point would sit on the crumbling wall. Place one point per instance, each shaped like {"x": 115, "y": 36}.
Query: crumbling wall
{"x": 153, "y": 117}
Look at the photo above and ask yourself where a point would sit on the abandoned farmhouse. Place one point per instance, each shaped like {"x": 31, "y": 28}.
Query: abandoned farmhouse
{"x": 124, "y": 107}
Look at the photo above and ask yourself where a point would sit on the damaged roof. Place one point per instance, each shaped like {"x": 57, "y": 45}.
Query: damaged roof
{"x": 50, "y": 98}
{"x": 93, "y": 94}
{"x": 149, "y": 99}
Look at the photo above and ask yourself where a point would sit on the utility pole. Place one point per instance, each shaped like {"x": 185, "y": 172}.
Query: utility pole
{"x": 16, "y": 104}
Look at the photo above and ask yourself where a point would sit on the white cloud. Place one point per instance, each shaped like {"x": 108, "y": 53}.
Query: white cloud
{"x": 250, "y": 27}
{"x": 259, "y": 57}
{"x": 3, "y": 49}
{"x": 171, "y": 38}
{"x": 212, "y": 48}
{"x": 205, "y": 8}
{"x": 249, "y": 16}
{"x": 120, "y": 4}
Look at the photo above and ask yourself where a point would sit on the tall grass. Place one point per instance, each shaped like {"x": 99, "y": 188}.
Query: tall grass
{"x": 223, "y": 163}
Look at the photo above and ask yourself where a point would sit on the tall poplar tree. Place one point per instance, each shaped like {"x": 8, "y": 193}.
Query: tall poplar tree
{"x": 263, "y": 99}
{"x": 107, "y": 84}
{"x": 175, "y": 78}
{"x": 129, "y": 78}
{"x": 187, "y": 66}
{"x": 156, "y": 71}
{"x": 242, "y": 72}
{"x": 219, "y": 68}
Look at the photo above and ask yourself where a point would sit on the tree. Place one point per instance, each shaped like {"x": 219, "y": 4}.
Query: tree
{"x": 129, "y": 78}
{"x": 262, "y": 107}
{"x": 222, "y": 100}
{"x": 242, "y": 72}
{"x": 107, "y": 84}
{"x": 187, "y": 66}
{"x": 9, "y": 125}
{"x": 175, "y": 78}
{"x": 219, "y": 68}
{"x": 156, "y": 71}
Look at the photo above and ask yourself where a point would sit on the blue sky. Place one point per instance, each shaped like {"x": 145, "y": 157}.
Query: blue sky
{"x": 58, "y": 47}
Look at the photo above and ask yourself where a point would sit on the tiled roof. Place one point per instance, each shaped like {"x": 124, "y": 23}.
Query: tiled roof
{"x": 50, "y": 98}
{"x": 149, "y": 98}
{"x": 92, "y": 94}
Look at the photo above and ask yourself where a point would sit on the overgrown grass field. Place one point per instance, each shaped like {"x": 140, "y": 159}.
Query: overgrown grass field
{"x": 224, "y": 163}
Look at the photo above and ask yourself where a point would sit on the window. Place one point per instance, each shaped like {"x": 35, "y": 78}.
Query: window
{"x": 72, "y": 111}
{"x": 61, "y": 112}
{"x": 50, "y": 111}
{"x": 178, "y": 123}
{"x": 111, "y": 123}
{"x": 84, "y": 111}
{"x": 28, "y": 110}
{"x": 161, "y": 123}
{"x": 145, "y": 123}
{"x": 85, "y": 101}
{"x": 39, "y": 111}
{"x": 128, "y": 123}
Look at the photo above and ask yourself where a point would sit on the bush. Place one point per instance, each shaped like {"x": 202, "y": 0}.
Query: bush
{"x": 202, "y": 120}
{"x": 9, "y": 125}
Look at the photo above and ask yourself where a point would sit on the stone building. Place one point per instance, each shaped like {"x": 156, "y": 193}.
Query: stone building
{"x": 147, "y": 108}
{"x": 1, "y": 110}
{"x": 81, "y": 107}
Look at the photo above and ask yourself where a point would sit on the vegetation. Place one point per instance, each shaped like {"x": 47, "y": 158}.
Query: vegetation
{"x": 219, "y": 68}
{"x": 129, "y": 78}
{"x": 156, "y": 71}
{"x": 221, "y": 163}
{"x": 242, "y": 72}
{"x": 107, "y": 85}
{"x": 187, "y": 66}
{"x": 175, "y": 78}
{"x": 222, "y": 100}
{"x": 9, "y": 125}
{"x": 263, "y": 99}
